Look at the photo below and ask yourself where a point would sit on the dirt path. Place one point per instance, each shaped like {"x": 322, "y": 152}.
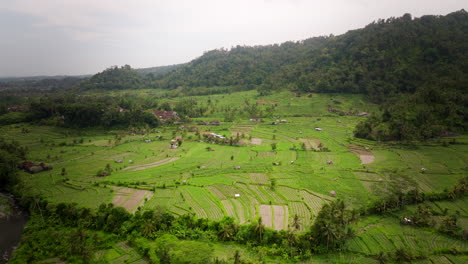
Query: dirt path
{"x": 256, "y": 141}
{"x": 280, "y": 211}
{"x": 130, "y": 198}
{"x": 151, "y": 165}
{"x": 266, "y": 214}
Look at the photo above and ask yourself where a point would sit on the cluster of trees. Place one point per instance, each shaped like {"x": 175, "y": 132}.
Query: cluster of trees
{"x": 11, "y": 153}
{"x": 159, "y": 225}
{"x": 115, "y": 78}
{"x": 34, "y": 85}
{"x": 415, "y": 68}
{"x": 90, "y": 111}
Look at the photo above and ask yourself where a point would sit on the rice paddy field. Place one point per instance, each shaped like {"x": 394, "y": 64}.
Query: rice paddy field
{"x": 277, "y": 170}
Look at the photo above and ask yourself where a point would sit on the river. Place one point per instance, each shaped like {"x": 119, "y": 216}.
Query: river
{"x": 12, "y": 222}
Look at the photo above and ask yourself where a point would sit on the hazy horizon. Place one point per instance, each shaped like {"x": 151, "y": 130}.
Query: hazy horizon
{"x": 84, "y": 37}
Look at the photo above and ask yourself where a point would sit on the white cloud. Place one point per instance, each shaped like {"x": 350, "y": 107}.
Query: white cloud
{"x": 155, "y": 32}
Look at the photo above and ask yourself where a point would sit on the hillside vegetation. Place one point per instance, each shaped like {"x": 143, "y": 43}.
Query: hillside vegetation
{"x": 417, "y": 69}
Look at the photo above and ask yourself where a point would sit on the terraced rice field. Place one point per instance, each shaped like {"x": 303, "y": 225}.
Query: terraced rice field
{"x": 267, "y": 175}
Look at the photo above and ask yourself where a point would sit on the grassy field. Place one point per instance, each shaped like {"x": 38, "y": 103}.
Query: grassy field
{"x": 252, "y": 179}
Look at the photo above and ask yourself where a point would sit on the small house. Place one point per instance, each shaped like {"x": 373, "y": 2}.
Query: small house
{"x": 330, "y": 162}
{"x": 318, "y": 129}
{"x": 255, "y": 119}
{"x": 236, "y": 195}
{"x": 174, "y": 144}
{"x": 332, "y": 193}
{"x": 363, "y": 114}
{"x": 165, "y": 115}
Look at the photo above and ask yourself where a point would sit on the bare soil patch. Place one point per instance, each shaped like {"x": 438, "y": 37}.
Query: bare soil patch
{"x": 130, "y": 198}
{"x": 119, "y": 156}
{"x": 266, "y": 214}
{"x": 151, "y": 165}
{"x": 266, "y": 102}
{"x": 365, "y": 155}
{"x": 311, "y": 143}
{"x": 256, "y": 141}
{"x": 280, "y": 211}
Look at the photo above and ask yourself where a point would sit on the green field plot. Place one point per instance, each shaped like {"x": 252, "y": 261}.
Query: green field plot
{"x": 216, "y": 180}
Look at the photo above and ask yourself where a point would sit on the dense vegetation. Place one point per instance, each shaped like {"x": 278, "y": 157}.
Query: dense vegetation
{"x": 10, "y": 155}
{"x": 416, "y": 68}
{"x": 275, "y": 187}
{"x": 115, "y": 78}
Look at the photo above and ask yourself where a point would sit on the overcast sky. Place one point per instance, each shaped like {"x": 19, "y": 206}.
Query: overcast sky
{"x": 71, "y": 37}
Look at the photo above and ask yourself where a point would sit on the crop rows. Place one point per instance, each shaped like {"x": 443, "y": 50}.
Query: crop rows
{"x": 313, "y": 202}
{"x": 301, "y": 210}
{"x": 290, "y": 194}
{"x": 202, "y": 198}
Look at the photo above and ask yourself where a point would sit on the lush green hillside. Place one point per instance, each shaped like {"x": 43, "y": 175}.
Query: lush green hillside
{"x": 416, "y": 68}
{"x": 115, "y": 78}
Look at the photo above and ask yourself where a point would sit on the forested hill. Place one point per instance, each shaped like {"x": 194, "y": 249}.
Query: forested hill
{"x": 386, "y": 57}
{"x": 416, "y": 68}
{"x": 115, "y": 78}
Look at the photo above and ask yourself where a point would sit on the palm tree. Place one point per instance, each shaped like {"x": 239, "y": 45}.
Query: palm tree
{"x": 260, "y": 228}
{"x": 296, "y": 223}
{"x": 381, "y": 258}
{"x": 237, "y": 257}
{"x": 226, "y": 232}
{"x": 148, "y": 228}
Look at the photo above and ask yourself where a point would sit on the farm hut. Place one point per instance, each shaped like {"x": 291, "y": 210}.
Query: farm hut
{"x": 332, "y": 193}
{"x": 130, "y": 161}
{"x": 35, "y": 169}
{"x": 119, "y": 161}
{"x": 212, "y": 149}
{"x": 237, "y": 167}
{"x": 174, "y": 144}
{"x": 318, "y": 129}
{"x": 276, "y": 163}
{"x": 423, "y": 170}
{"x": 363, "y": 114}
{"x": 165, "y": 115}
{"x": 184, "y": 182}
{"x": 147, "y": 140}
{"x": 31, "y": 167}
{"x": 255, "y": 119}
{"x": 330, "y": 162}
{"x": 236, "y": 195}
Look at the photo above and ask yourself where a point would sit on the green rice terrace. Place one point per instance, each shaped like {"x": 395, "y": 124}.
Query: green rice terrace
{"x": 283, "y": 167}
